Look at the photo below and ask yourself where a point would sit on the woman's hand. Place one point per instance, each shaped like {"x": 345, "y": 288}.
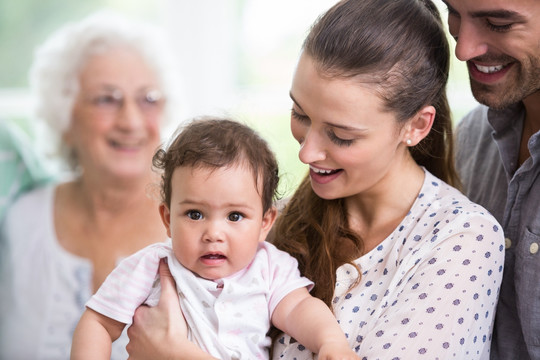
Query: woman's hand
{"x": 159, "y": 332}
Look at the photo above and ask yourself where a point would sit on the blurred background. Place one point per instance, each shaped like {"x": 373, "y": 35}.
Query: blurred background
{"x": 236, "y": 57}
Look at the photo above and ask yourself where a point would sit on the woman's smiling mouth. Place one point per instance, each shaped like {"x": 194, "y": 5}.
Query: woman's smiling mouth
{"x": 323, "y": 176}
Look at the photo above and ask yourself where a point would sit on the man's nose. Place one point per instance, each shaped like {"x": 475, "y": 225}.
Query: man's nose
{"x": 470, "y": 42}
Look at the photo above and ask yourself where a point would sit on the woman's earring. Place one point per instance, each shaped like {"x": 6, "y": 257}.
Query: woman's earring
{"x": 409, "y": 142}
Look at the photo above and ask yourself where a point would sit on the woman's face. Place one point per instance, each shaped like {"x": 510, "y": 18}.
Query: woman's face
{"x": 351, "y": 145}
{"x": 116, "y": 116}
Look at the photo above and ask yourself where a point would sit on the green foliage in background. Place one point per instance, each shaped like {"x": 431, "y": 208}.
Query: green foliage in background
{"x": 26, "y": 23}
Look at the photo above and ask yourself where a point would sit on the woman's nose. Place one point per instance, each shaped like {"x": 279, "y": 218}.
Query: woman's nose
{"x": 311, "y": 148}
{"x": 129, "y": 115}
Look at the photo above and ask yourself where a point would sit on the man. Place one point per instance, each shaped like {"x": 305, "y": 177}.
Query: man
{"x": 498, "y": 151}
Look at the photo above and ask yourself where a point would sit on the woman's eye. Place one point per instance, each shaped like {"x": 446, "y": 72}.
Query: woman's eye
{"x": 337, "y": 140}
{"x": 299, "y": 117}
{"x": 235, "y": 217}
{"x": 153, "y": 96}
{"x": 105, "y": 100}
{"x": 194, "y": 215}
{"x": 150, "y": 101}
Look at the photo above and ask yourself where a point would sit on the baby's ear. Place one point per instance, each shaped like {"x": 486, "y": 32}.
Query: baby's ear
{"x": 165, "y": 214}
{"x": 268, "y": 220}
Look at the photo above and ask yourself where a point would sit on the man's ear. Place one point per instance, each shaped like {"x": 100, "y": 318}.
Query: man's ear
{"x": 268, "y": 220}
{"x": 419, "y": 126}
{"x": 165, "y": 214}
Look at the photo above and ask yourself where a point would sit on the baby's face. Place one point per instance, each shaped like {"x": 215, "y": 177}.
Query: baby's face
{"x": 216, "y": 219}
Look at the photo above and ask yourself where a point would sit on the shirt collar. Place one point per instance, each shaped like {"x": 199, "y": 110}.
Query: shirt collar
{"x": 508, "y": 118}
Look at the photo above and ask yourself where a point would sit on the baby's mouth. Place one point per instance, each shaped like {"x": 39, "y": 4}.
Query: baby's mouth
{"x": 214, "y": 256}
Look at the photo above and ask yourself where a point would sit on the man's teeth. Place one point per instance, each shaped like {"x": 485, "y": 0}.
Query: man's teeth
{"x": 488, "y": 69}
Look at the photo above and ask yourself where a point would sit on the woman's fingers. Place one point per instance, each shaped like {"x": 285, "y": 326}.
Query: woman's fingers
{"x": 168, "y": 286}
{"x": 169, "y": 300}
{"x": 154, "y": 326}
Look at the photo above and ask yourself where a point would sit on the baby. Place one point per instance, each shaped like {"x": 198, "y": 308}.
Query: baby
{"x": 218, "y": 185}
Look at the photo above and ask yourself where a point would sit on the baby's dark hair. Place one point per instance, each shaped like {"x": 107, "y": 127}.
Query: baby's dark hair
{"x": 213, "y": 143}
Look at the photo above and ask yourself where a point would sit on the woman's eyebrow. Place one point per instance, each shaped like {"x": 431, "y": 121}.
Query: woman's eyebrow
{"x": 338, "y": 126}
{"x": 294, "y": 100}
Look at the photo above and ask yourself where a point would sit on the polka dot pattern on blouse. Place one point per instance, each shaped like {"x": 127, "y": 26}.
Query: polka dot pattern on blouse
{"x": 428, "y": 291}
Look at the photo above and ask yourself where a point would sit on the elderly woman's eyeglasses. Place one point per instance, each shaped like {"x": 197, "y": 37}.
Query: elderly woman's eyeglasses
{"x": 112, "y": 100}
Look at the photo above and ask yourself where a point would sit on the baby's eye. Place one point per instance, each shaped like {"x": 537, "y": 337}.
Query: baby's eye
{"x": 235, "y": 216}
{"x": 194, "y": 215}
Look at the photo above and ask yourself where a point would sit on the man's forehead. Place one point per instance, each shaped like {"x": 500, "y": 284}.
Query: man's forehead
{"x": 499, "y": 8}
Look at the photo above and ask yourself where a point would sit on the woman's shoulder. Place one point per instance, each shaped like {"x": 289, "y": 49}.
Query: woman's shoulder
{"x": 30, "y": 214}
{"x": 444, "y": 225}
{"x": 445, "y": 212}
{"x": 444, "y": 198}
{"x": 35, "y": 201}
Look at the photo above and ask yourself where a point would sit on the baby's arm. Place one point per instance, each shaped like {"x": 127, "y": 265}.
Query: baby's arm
{"x": 308, "y": 320}
{"x": 94, "y": 335}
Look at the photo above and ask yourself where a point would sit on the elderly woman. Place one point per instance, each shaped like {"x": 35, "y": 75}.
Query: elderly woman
{"x": 104, "y": 87}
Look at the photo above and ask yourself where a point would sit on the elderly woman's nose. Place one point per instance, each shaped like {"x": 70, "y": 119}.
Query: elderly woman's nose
{"x": 129, "y": 114}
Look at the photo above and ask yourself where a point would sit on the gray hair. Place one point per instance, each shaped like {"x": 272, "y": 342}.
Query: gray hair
{"x": 54, "y": 80}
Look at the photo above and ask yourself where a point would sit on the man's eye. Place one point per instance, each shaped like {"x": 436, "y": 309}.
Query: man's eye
{"x": 452, "y": 12}
{"x": 194, "y": 215}
{"x": 235, "y": 217}
{"x": 499, "y": 28}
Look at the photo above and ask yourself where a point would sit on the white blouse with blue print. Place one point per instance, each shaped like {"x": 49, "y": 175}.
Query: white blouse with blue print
{"x": 428, "y": 291}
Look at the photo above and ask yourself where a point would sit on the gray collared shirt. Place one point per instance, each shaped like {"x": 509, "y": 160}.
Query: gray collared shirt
{"x": 487, "y": 160}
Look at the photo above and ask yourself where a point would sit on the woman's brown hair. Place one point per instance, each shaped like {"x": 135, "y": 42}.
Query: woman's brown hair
{"x": 400, "y": 47}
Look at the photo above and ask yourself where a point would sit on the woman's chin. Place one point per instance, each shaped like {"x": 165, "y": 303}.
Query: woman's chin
{"x": 325, "y": 195}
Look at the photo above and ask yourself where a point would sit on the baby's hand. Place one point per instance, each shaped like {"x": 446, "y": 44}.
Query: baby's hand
{"x": 337, "y": 351}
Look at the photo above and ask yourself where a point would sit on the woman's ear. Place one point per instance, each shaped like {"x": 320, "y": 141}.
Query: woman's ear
{"x": 419, "y": 126}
